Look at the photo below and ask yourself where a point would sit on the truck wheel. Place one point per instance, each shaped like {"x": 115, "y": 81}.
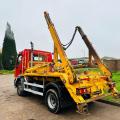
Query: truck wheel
{"x": 52, "y": 101}
{"x": 20, "y": 89}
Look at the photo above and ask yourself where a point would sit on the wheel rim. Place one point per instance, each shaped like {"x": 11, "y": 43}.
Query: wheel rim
{"x": 52, "y": 101}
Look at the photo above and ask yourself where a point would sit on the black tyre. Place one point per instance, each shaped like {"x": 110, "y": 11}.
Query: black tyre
{"x": 52, "y": 101}
{"x": 20, "y": 89}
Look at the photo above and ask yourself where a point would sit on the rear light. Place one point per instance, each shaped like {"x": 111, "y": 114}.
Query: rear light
{"x": 87, "y": 78}
{"x": 104, "y": 77}
{"x": 81, "y": 91}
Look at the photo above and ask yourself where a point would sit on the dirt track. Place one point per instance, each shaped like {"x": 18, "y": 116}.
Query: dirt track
{"x": 13, "y": 107}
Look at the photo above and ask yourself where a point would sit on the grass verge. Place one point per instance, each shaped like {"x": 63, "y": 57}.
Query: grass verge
{"x": 6, "y": 72}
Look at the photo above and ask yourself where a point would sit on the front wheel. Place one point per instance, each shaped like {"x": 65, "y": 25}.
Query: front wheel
{"x": 52, "y": 101}
{"x": 20, "y": 89}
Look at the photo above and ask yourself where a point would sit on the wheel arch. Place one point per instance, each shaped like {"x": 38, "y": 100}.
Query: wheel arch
{"x": 65, "y": 98}
{"x": 53, "y": 85}
{"x": 16, "y": 81}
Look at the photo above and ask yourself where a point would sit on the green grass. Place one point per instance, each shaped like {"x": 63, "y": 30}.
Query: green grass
{"x": 6, "y": 71}
{"x": 116, "y": 78}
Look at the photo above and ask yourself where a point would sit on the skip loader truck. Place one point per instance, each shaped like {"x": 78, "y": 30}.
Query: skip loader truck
{"x": 55, "y": 78}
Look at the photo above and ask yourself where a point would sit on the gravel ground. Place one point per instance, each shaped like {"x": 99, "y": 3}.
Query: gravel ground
{"x": 13, "y": 107}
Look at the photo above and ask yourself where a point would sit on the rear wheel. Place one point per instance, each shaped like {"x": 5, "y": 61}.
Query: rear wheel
{"x": 52, "y": 101}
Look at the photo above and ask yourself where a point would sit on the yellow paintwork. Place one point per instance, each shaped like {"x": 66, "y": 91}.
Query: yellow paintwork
{"x": 95, "y": 83}
{"x": 65, "y": 72}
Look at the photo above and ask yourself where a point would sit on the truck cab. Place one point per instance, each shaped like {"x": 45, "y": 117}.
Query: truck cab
{"x": 28, "y": 58}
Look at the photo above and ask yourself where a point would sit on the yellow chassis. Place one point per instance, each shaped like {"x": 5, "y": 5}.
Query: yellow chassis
{"x": 96, "y": 82}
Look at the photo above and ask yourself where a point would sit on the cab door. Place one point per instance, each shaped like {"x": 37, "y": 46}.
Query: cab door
{"x": 18, "y": 66}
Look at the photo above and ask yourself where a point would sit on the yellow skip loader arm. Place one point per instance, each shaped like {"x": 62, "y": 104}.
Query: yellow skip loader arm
{"x": 92, "y": 52}
{"x": 59, "y": 49}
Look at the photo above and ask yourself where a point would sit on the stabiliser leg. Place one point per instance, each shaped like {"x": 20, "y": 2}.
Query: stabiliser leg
{"x": 82, "y": 108}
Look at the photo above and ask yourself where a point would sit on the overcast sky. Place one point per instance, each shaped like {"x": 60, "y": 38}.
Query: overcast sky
{"x": 100, "y": 20}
